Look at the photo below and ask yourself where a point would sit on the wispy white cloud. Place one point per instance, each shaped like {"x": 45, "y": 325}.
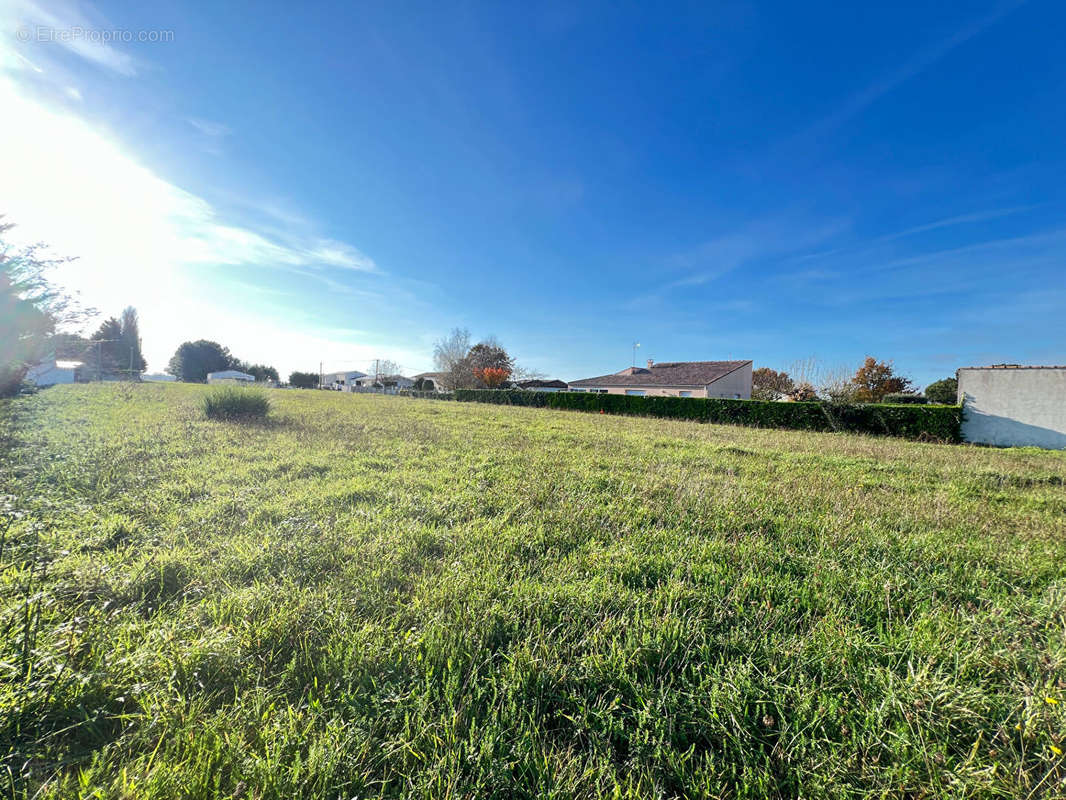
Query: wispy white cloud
{"x": 950, "y": 222}
{"x": 873, "y": 246}
{"x": 208, "y": 128}
{"x": 1015, "y": 246}
{"x": 909, "y": 69}
{"x": 764, "y": 239}
{"x": 340, "y": 254}
{"x": 74, "y": 27}
{"x": 141, "y": 239}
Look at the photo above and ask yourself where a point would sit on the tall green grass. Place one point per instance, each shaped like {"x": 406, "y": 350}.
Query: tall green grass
{"x": 235, "y": 403}
{"x": 374, "y": 596}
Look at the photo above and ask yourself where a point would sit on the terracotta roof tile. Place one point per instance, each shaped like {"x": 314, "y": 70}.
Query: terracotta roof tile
{"x": 666, "y": 373}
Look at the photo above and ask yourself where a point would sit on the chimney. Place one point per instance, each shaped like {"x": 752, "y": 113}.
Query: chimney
{"x": 650, "y": 363}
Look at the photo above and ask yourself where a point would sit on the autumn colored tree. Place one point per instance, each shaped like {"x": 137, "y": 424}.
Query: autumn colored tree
{"x": 874, "y": 379}
{"x": 492, "y": 377}
{"x": 489, "y": 354}
{"x": 769, "y": 384}
{"x": 803, "y": 393}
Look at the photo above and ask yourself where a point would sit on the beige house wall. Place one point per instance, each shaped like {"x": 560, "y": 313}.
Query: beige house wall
{"x": 654, "y": 391}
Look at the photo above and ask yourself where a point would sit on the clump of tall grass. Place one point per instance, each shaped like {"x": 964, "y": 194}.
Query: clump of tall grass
{"x": 235, "y": 403}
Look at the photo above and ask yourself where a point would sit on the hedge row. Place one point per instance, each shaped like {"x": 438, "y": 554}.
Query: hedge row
{"x": 938, "y": 423}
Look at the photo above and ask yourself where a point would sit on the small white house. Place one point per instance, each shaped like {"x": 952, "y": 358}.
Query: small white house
{"x": 230, "y": 376}
{"x": 50, "y": 372}
{"x": 344, "y": 381}
{"x": 1014, "y": 406}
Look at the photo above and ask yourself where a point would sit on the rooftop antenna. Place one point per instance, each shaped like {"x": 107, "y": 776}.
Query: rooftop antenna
{"x": 635, "y": 346}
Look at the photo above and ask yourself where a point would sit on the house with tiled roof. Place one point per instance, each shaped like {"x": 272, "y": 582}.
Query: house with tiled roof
{"x": 731, "y": 379}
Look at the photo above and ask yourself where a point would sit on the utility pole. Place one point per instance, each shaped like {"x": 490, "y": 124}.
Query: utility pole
{"x": 320, "y": 374}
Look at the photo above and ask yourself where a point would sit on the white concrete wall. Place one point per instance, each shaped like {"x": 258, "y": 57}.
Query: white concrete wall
{"x": 1014, "y": 407}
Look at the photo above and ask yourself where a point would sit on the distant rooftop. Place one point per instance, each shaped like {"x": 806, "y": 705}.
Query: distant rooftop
{"x": 667, "y": 373}
{"x": 550, "y": 384}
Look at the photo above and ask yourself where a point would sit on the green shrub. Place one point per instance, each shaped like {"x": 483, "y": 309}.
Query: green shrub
{"x": 944, "y": 391}
{"x": 235, "y": 403}
{"x": 940, "y": 423}
{"x": 905, "y": 398}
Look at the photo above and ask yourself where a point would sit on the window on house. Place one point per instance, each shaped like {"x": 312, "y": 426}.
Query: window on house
{"x": 635, "y": 392}
{"x": 684, "y": 394}
{"x": 577, "y": 390}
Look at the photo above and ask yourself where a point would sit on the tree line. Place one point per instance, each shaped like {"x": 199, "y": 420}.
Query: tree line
{"x": 485, "y": 365}
{"x": 192, "y": 362}
{"x": 873, "y": 382}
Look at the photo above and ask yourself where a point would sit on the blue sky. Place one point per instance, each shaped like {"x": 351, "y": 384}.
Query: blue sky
{"x": 339, "y": 182}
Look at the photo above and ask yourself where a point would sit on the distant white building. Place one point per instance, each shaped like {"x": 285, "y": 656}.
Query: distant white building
{"x": 1014, "y": 406}
{"x": 50, "y": 372}
{"x": 392, "y": 383}
{"x": 230, "y": 376}
{"x": 344, "y": 381}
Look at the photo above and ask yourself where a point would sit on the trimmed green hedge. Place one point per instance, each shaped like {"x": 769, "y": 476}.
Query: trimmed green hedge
{"x": 939, "y": 423}
{"x": 906, "y": 398}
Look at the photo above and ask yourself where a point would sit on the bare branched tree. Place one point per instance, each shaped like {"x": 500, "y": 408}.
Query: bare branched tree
{"x": 522, "y": 373}
{"x": 832, "y": 383}
{"x": 449, "y": 356}
{"x": 835, "y": 384}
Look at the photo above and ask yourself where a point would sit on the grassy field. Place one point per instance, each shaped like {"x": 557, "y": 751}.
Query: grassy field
{"x": 370, "y": 596}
